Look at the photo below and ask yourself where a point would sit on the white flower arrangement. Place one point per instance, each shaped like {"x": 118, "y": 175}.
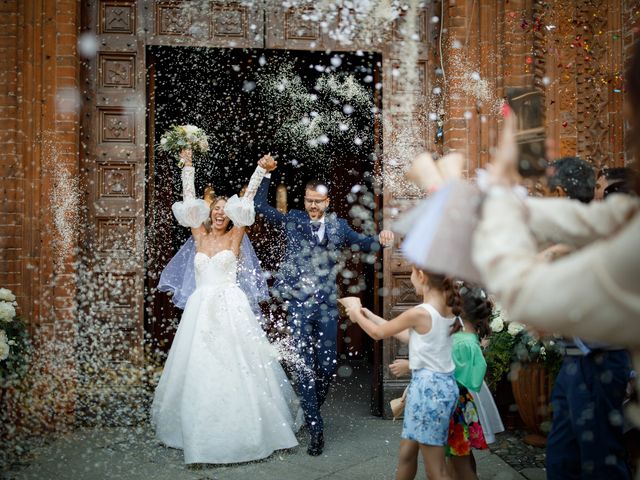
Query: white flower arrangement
{"x": 7, "y": 311}
{"x": 15, "y": 347}
{"x": 184, "y": 137}
{"x": 500, "y": 319}
{"x": 515, "y": 328}
{"x": 7, "y": 295}
{"x": 4, "y": 346}
{"x": 497, "y": 324}
{"x": 511, "y": 342}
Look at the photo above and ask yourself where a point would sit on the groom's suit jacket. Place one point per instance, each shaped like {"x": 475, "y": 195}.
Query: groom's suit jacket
{"x": 309, "y": 268}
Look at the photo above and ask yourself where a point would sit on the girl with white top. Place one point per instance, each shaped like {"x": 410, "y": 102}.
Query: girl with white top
{"x": 433, "y": 392}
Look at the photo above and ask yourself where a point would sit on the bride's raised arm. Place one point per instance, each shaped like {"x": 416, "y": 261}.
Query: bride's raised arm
{"x": 241, "y": 210}
{"x": 191, "y": 211}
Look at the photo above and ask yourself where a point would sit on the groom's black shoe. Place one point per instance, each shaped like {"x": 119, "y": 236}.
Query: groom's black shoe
{"x": 316, "y": 445}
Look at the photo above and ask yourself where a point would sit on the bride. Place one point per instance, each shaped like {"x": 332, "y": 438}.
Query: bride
{"x": 223, "y": 396}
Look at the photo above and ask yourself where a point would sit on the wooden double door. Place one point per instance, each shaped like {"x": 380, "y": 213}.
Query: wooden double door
{"x": 122, "y": 172}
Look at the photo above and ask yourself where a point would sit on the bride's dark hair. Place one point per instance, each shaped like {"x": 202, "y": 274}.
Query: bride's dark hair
{"x": 207, "y": 224}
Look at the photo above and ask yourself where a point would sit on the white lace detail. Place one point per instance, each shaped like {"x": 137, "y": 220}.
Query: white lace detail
{"x": 254, "y": 183}
{"x": 188, "y": 179}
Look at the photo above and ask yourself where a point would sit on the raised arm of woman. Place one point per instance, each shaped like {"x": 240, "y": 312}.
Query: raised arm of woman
{"x": 191, "y": 211}
{"x": 571, "y": 222}
{"x": 241, "y": 210}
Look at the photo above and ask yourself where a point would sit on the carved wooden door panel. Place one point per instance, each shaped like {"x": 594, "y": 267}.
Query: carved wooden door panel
{"x": 115, "y": 144}
{"x": 288, "y": 29}
{"x": 113, "y": 161}
{"x": 221, "y": 24}
{"x": 118, "y": 154}
{"x": 405, "y": 133}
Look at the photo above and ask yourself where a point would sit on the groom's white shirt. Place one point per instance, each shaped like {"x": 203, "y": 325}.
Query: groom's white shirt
{"x": 321, "y": 230}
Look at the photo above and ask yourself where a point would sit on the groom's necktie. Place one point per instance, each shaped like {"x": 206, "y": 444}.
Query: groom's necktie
{"x": 315, "y": 228}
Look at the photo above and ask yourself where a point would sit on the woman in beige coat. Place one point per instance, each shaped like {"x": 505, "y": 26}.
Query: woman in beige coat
{"x": 594, "y": 292}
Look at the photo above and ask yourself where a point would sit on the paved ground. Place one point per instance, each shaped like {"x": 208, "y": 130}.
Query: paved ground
{"x": 359, "y": 446}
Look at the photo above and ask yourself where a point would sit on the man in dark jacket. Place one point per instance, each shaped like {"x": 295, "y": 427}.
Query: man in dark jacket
{"x": 306, "y": 283}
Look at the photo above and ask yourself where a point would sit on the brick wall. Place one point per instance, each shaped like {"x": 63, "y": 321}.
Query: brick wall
{"x": 572, "y": 51}
{"x": 39, "y": 138}
{"x": 490, "y": 39}
{"x": 11, "y": 196}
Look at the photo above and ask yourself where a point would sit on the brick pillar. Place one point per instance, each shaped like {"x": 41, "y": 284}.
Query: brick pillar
{"x": 459, "y": 57}
{"x": 493, "y": 42}
{"x": 39, "y": 138}
{"x": 12, "y": 202}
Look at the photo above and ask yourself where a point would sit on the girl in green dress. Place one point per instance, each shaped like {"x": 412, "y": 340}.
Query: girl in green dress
{"x": 465, "y": 431}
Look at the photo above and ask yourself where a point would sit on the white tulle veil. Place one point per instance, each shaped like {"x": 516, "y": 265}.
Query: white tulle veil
{"x": 179, "y": 276}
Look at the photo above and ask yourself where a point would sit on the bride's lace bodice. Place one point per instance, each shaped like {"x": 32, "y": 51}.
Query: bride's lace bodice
{"x": 215, "y": 271}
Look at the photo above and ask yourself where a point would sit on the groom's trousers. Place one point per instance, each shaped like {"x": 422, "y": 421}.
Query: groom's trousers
{"x": 314, "y": 326}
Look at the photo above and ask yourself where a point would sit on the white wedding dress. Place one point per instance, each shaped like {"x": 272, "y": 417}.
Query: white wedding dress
{"x": 223, "y": 396}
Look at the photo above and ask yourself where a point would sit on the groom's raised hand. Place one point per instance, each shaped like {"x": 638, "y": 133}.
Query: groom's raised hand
{"x": 386, "y": 238}
{"x": 268, "y": 163}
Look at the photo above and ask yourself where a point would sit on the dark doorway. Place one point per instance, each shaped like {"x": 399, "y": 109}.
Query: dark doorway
{"x": 220, "y": 91}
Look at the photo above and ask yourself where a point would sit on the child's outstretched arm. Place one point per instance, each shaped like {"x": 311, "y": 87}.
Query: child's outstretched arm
{"x": 402, "y": 336}
{"x": 408, "y": 319}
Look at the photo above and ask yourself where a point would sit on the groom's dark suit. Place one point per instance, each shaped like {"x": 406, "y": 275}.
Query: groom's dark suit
{"x": 306, "y": 282}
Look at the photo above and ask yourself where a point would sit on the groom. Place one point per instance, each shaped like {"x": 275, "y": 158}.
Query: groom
{"x": 306, "y": 283}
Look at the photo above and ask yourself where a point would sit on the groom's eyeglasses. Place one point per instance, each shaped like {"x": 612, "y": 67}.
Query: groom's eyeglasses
{"x": 310, "y": 201}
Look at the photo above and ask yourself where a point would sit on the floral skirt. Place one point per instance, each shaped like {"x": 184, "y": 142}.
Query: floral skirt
{"x": 431, "y": 399}
{"x": 465, "y": 431}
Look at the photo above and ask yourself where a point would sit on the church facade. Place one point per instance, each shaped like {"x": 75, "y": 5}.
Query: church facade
{"x": 75, "y": 130}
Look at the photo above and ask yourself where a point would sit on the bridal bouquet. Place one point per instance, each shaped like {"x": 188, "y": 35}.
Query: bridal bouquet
{"x": 184, "y": 137}
{"x": 14, "y": 341}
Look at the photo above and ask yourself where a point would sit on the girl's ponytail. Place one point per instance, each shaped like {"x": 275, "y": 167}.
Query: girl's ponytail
{"x": 449, "y": 288}
{"x": 476, "y": 308}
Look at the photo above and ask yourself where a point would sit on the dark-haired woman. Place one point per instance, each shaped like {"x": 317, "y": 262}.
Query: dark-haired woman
{"x": 432, "y": 393}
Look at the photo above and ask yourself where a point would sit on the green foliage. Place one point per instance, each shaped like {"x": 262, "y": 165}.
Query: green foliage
{"x": 498, "y": 354}
{"x": 511, "y": 343}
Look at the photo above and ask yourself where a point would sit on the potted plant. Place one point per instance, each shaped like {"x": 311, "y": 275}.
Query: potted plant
{"x": 531, "y": 364}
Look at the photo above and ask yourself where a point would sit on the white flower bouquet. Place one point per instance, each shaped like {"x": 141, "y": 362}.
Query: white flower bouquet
{"x": 511, "y": 342}
{"x": 14, "y": 341}
{"x": 184, "y": 137}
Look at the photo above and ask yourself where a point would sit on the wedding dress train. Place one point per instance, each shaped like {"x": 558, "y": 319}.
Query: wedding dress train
{"x": 223, "y": 396}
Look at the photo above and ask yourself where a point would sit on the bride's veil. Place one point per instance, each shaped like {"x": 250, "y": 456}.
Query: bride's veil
{"x": 179, "y": 275}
